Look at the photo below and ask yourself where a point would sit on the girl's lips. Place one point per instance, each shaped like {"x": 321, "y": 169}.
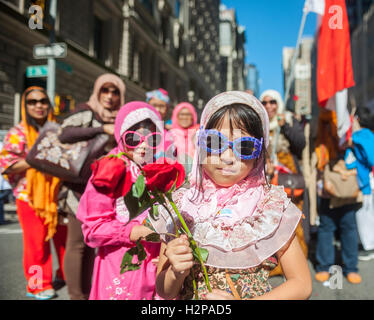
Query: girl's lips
{"x": 226, "y": 171}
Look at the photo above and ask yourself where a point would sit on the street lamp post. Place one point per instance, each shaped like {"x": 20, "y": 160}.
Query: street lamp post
{"x": 51, "y": 80}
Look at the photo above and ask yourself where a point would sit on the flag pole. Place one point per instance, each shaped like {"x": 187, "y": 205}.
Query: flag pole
{"x": 290, "y": 77}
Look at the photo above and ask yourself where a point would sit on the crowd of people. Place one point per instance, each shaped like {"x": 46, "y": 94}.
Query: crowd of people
{"x": 246, "y": 198}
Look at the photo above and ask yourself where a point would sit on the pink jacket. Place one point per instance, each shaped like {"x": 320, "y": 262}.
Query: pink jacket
{"x": 103, "y": 225}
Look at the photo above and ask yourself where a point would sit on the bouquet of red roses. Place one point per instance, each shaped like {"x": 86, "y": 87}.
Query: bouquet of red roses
{"x": 153, "y": 187}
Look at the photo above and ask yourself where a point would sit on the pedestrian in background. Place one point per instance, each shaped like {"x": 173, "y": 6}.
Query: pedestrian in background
{"x": 289, "y": 148}
{"x": 5, "y": 191}
{"x": 96, "y": 116}
{"x": 360, "y": 156}
{"x": 160, "y": 100}
{"x": 335, "y": 214}
{"x": 36, "y": 196}
{"x": 183, "y": 130}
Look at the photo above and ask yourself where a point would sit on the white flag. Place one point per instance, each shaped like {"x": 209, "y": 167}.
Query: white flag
{"x": 339, "y": 103}
{"x": 317, "y": 6}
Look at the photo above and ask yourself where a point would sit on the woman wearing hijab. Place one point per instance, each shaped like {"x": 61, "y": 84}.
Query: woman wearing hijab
{"x": 159, "y": 99}
{"x": 36, "y": 196}
{"x": 289, "y": 148}
{"x": 183, "y": 130}
{"x": 97, "y": 116}
{"x": 336, "y": 215}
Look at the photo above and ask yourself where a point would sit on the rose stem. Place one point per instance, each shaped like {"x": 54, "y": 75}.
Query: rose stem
{"x": 193, "y": 242}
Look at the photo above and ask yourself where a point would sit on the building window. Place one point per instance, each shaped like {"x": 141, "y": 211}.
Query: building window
{"x": 99, "y": 36}
{"x": 165, "y": 30}
{"x": 225, "y": 34}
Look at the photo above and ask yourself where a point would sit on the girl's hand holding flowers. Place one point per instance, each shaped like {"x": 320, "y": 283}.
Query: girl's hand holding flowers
{"x": 153, "y": 187}
{"x": 180, "y": 256}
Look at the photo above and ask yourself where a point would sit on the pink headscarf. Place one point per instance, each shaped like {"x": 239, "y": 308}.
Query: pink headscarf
{"x": 255, "y": 180}
{"x": 108, "y": 116}
{"x": 137, "y": 111}
{"x": 241, "y": 225}
{"x": 184, "y": 138}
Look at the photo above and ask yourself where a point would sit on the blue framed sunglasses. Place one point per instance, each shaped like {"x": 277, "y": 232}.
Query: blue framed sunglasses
{"x": 245, "y": 148}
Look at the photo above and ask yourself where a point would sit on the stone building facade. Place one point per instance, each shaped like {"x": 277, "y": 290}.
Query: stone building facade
{"x": 300, "y": 95}
{"x": 362, "y": 46}
{"x": 173, "y": 44}
{"x": 232, "y": 50}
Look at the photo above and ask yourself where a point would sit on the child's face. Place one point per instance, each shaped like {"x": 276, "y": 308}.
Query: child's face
{"x": 142, "y": 154}
{"x": 226, "y": 169}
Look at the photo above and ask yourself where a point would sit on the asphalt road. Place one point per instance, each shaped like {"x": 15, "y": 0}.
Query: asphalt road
{"x": 13, "y": 284}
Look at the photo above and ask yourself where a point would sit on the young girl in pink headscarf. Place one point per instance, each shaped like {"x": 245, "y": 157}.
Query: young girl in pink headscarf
{"x": 105, "y": 218}
{"x": 183, "y": 131}
{"x": 247, "y": 226}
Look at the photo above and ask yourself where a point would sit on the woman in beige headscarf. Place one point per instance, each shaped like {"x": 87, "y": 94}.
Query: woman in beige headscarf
{"x": 94, "y": 117}
{"x": 289, "y": 147}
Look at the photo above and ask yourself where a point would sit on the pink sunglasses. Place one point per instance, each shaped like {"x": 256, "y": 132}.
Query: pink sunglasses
{"x": 133, "y": 139}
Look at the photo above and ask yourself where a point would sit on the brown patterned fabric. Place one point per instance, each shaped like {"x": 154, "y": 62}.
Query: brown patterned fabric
{"x": 249, "y": 283}
{"x": 287, "y": 160}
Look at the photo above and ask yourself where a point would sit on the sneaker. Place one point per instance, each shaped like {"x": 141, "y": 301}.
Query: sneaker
{"x": 354, "y": 278}
{"x": 366, "y": 255}
{"x": 58, "y": 283}
{"x": 43, "y": 295}
{"x": 322, "y": 276}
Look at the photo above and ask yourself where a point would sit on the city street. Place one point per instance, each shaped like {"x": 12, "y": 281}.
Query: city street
{"x": 12, "y": 282}
{"x": 110, "y": 108}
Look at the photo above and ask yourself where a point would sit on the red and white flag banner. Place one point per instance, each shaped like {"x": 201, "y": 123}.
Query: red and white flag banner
{"x": 334, "y": 62}
{"x": 317, "y": 6}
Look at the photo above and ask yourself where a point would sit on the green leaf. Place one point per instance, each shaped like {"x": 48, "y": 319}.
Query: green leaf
{"x": 154, "y": 212}
{"x": 132, "y": 204}
{"x": 127, "y": 258}
{"x": 153, "y": 237}
{"x": 127, "y": 264}
{"x": 138, "y": 187}
{"x": 203, "y": 252}
{"x": 142, "y": 255}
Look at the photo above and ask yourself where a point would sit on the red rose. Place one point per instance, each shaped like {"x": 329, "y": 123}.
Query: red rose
{"x": 161, "y": 176}
{"x": 110, "y": 178}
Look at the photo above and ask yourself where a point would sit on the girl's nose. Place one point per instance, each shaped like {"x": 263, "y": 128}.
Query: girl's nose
{"x": 228, "y": 156}
{"x": 143, "y": 145}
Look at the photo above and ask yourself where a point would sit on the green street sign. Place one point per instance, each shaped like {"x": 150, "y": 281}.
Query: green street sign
{"x": 37, "y": 71}
{"x": 64, "y": 66}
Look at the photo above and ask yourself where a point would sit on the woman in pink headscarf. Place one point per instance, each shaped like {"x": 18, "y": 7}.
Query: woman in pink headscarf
{"x": 94, "y": 117}
{"x": 183, "y": 131}
{"x": 105, "y": 218}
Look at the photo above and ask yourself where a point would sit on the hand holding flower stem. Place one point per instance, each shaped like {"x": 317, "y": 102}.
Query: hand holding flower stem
{"x": 159, "y": 187}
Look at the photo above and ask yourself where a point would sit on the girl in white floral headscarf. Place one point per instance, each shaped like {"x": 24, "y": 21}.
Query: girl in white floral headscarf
{"x": 247, "y": 226}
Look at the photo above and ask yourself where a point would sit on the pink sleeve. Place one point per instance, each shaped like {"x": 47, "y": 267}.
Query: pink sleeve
{"x": 100, "y": 227}
{"x": 14, "y": 148}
